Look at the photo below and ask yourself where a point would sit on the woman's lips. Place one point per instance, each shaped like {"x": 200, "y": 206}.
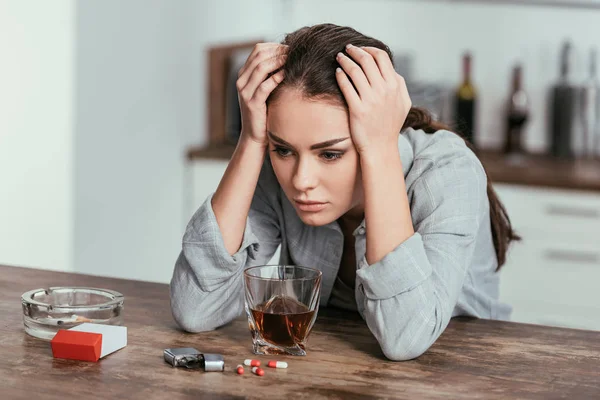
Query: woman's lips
{"x": 310, "y": 207}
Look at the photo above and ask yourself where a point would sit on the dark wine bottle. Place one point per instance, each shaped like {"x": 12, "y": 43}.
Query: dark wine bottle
{"x": 562, "y": 111}
{"x": 517, "y": 113}
{"x": 465, "y": 103}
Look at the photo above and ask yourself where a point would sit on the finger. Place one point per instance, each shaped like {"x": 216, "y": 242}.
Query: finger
{"x": 347, "y": 89}
{"x": 355, "y": 73}
{"x": 260, "y": 74}
{"x": 257, "y": 49}
{"x": 245, "y": 78}
{"x": 264, "y": 90}
{"x": 367, "y": 64}
{"x": 384, "y": 63}
{"x": 261, "y": 52}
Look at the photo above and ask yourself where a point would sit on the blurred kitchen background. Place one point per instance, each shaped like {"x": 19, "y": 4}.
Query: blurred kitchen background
{"x": 117, "y": 119}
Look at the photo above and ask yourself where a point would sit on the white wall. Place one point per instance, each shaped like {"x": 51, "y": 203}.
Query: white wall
{"x": 101, "y": 100}
{"x": 499, "y": 35}
{"x": 36, "y": 133}
{"x": 141, "y": 84}
{"x": 136, "y": 87}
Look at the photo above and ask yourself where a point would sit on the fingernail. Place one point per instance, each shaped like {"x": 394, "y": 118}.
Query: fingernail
{"x": 348, "y": 45}
{"x": 340, "y": 55}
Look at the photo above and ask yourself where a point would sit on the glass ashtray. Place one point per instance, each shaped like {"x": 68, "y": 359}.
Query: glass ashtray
{"x": 45, "y": 311}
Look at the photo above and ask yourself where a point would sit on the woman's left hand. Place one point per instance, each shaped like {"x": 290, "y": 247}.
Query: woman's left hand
{"x": 379, "y": 109}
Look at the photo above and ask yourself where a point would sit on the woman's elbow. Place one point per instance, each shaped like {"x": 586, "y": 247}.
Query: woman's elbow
{"x": 401, "y": 350}
{"x": 188, "y": 320}
{"x": 194, "y": 325}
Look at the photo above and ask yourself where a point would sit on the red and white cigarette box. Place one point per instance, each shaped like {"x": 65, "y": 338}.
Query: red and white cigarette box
{"x": 88, "y": 342}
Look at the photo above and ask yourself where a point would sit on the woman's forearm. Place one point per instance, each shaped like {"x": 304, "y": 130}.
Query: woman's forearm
{"x": 387, "y": 212}
{"x": 233, "y": 197}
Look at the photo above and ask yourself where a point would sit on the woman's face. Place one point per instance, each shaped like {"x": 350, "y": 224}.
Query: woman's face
{"x": 329, "y": 174}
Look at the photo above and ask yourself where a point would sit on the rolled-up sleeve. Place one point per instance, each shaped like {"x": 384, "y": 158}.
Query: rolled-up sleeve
{"x": 203, "y": 246}
{"x": 206, "y": 289}
{"x": 407, "y": 298}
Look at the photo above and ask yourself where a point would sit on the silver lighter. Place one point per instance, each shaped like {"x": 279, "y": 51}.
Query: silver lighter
{"x": 191, "y": 358}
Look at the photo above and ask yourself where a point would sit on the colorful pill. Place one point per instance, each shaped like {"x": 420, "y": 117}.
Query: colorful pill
{"x": 252, "y": 363}
{"x": 240, "y": 369}
{"x": 277, "y": 364}
{"x": 258, "y": 371}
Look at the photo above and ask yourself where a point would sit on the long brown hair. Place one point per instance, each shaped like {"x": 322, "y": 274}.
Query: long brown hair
{"x": 310, "y": 68}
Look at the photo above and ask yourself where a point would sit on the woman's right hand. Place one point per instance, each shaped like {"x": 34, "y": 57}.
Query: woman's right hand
{"x": 254, "y": 88}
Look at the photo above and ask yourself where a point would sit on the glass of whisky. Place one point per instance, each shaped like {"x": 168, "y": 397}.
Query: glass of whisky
{"x": 282, "y": 302}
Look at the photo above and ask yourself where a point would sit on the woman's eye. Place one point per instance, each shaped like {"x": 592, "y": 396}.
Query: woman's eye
{"x": 281, "y": 151}
{"x": 329, "y": 156}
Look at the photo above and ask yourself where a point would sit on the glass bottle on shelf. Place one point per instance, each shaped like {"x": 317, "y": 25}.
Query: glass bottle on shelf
{"x": 466, "y": 102}
{"x": 517, "y": 113}
{"x": 563, "y": 122}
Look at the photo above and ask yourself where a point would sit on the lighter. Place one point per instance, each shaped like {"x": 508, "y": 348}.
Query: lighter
{"x": 191, "y": 358}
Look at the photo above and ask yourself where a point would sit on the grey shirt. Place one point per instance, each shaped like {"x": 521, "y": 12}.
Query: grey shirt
{"x": 447, "y": 268}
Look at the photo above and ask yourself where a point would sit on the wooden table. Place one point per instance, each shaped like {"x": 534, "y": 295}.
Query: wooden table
{"x": 472, "y": 359}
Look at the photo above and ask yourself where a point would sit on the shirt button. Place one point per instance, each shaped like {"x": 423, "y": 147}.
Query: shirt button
{"x": 361, "y": 231}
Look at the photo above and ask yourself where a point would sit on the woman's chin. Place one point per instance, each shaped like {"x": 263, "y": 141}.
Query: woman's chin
{"x": 314, "y": 219}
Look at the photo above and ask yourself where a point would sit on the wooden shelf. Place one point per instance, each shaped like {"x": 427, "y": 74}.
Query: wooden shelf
{"x": 219, "y": 65}
{"x": 542, "y": 171}
{"x": 528, "y": 169}
{"x": 219, "y": 152}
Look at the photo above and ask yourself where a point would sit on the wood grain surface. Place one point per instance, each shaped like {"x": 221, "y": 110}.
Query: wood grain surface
{"x": 542, "y": 171}
{"x": 473, "y": 359}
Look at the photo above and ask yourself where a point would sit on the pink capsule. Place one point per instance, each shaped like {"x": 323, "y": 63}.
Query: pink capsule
{"x": 258, "y": 371}
{"x": 277, "y": 364}
{"x": 252, "y": 363}
{"x": 240, "y": 369}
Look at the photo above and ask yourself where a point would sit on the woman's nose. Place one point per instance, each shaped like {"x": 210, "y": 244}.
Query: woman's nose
{"x": 305, "y": 177}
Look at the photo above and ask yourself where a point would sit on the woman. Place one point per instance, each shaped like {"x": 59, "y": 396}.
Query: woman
{"x": 395, "y": 211}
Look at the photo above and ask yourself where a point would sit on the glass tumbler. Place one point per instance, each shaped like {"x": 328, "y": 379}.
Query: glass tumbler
{"x": 282, "y": 302}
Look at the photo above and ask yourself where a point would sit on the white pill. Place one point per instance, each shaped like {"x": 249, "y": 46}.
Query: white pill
{"x": 277, "y": 364}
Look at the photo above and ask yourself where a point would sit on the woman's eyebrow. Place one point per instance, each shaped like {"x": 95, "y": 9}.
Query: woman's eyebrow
{"x": 317, "y": 146}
